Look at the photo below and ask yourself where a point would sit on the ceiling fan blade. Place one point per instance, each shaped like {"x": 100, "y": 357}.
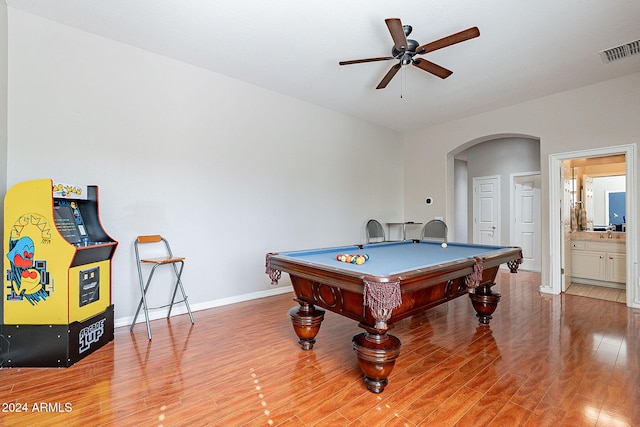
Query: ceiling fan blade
{"x": 459, "y": 37}
{"x": 397, "y": 33}
{"x": 387, "y": 78}
{"x": 432, "y": 68}
{"x": 359, "y": 61}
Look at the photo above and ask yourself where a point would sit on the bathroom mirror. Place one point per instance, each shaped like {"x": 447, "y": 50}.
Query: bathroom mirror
{"x": 598, "y": 198}
{"x": 609, "y": 201}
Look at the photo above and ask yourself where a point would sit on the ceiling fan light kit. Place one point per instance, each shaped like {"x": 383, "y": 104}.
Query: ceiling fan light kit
{"x": 404, "y": 50}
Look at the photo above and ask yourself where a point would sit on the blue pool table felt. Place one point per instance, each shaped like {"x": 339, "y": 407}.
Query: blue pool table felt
{"x": 394, "y": 258}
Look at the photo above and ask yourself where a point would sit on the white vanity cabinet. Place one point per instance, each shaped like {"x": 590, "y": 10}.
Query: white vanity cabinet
{"x": 599, "y": 262}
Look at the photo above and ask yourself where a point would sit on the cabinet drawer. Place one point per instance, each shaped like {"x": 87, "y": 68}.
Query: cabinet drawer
{"x": 604, "y": 246}
{"x": 577, "y": 244}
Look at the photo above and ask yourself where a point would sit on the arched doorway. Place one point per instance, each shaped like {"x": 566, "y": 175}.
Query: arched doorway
{"x": 509, "y": 164}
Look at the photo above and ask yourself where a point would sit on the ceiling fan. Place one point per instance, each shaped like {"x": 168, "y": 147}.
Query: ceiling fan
{"x": 405, "y": 49}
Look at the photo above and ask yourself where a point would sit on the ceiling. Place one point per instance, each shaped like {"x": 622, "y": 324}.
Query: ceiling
{"x": 526, "y": 49}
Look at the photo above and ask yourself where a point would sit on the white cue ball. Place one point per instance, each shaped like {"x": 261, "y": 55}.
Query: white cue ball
{"x": 444, "y": 245}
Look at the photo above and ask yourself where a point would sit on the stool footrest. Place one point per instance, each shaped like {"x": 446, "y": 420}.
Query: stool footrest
{"x": 157, "y": 307}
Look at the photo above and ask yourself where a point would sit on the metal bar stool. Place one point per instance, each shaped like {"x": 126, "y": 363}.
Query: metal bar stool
{"x": 176, "y": 262}
{"x": 375, "y": 232}
{"x": 436, "y": 229}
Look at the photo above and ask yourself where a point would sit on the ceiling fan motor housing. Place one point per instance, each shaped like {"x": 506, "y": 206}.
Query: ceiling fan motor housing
{"x": 405, "y": 55}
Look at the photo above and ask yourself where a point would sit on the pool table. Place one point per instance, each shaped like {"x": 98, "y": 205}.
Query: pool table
{"x": 398, "y": 280}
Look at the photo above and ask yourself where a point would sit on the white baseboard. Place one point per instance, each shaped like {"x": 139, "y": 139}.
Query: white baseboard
{"x": 181, "y": 309}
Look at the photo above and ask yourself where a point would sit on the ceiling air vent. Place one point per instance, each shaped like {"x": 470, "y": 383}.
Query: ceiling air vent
{"x": 619, "y": 52}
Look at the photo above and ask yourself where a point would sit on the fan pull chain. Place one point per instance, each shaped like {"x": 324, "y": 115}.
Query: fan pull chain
{"x": 403, "y": 79}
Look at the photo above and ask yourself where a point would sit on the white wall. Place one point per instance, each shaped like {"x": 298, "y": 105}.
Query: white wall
{"x": 226, "y": 170}
{"x": 229, "y": 171}
{"x": 4, "y": 63}
{"x": 600, "y": 115}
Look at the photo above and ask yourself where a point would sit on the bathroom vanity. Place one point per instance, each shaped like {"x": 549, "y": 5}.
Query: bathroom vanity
{"x": 599, "y": 258}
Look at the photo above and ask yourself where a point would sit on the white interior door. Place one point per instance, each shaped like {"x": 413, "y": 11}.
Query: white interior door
{"x": 486, "y": 210}
{"x": 526, "y": 220}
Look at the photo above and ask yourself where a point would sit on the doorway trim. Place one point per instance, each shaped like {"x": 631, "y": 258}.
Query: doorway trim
{"x": 556, "y": 241}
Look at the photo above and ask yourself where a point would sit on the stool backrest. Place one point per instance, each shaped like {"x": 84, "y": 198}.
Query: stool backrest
{"x": 375, "y": 232}
{"x": 152, "y": 238}
{"x": 436, "y": 229}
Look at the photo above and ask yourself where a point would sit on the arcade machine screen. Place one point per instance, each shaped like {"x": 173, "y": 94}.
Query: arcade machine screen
{"x": 69, "y": 221}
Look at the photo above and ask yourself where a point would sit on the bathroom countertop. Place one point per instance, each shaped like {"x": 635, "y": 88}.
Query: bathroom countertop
{"x": 617, "y": 236}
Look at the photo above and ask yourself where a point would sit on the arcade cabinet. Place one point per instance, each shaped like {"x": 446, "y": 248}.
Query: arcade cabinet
{"x": 57, "y": 305}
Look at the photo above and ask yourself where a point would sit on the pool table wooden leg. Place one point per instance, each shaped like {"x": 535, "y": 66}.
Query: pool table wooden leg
{"x": 306, "y": 319}
{"x": 484, "y": 301}
{"x": 377, "y": 353}
{"x": 513, "y": 265}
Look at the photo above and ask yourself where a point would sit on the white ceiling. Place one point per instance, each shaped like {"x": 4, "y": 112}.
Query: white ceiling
{"x": 526, "y": 49}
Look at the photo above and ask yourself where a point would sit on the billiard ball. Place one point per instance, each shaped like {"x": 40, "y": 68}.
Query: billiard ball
{"x": 444, "y": 244}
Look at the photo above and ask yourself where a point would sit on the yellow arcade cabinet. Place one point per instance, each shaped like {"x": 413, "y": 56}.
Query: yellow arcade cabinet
{"x": 57, "y": 305}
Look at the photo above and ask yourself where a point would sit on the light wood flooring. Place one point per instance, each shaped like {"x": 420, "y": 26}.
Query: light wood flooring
{"x": 599, "y": 292}
{"x": 545, "y": 360}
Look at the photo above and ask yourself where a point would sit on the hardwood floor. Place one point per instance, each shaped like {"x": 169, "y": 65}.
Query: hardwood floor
{"x": 544, "y": 361}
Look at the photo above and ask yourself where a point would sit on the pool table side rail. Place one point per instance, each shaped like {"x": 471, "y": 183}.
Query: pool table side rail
{"x": 324, "y": 274}
{"x": 353, "y": 280}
